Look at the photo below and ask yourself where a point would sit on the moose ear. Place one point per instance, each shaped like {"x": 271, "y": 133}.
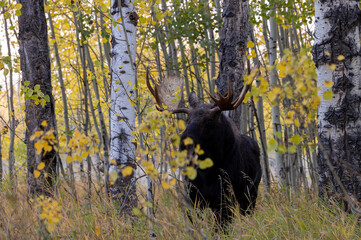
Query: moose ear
{"x": 193, "y": 100}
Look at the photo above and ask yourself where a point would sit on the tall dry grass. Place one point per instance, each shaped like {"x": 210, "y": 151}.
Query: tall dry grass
{"x": 281, "y": 215}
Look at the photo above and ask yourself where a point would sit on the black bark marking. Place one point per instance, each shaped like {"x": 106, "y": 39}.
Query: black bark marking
{"x": 113, "y": 42}
{"x": 342, "y": 19}
{"x": 347, "y": 112}
{"x": 344, "y": 154}
{"x": 133, "y": 17}
{"x": 342, "y": 84}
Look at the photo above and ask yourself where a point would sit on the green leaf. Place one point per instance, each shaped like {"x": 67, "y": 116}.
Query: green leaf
{"x": 328, "y": 95}
{"x": 136, "y": 212}
{"x": 272, "y": 145}
{"x": 37, "y": 87}
{"x": 281, "y": 149}
{"x": 40, "y": 94}
{"x": 278, "y": 135}
{"x": 296, "y": 139}
{"x": 42, "y": 102}
{"x": 30, "y": 93}
{"x": 47, "y": 98}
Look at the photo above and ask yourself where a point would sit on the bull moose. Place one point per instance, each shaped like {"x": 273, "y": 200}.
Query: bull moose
{"x": 236, "y": 170}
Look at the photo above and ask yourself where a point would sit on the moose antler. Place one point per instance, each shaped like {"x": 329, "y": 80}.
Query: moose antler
{"x": 163, "y": 94}
{"x": 225, "y": 103}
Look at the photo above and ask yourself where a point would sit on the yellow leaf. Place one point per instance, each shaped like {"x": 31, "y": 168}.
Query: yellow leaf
{"x": 297, "y": 122}
{"x": 44, "y": 123}
{"x": 38, "y": 146}
{"x": 7, "y": 15}
{"x": 288, "y": 121}
{"x": 78, "y": 158}
{"x": 181, "y": 125}
{"x": 188, "y": 141}
{"x": 48, "y": 148}
{"x": 173, "y": 181}
{"x": 340, "y": 57}
{"x": 198, "y": 150}
{"x": 18, "y": 6}
{"x": 130, "y": 83}
{"x": 113, "y": 176}
{"x": 333, "y": 66}
{"x": 253, "y": 53}
{"x": 250, "y": 44}
{"x": 41, "y": 166}
{"x": 127, "y": 171}
{"x": 165, "y": 185}
{"x": 191, "y": 173}
{"x": 36, "y": 173}
{"x": 207, "y": 163}
{"x": 85, "y": 154}
{"x": 328, "y": 95}
{"x": 328, "y": 84}
{"x": 69, "y": 159}
{"x": 97, "y": 231}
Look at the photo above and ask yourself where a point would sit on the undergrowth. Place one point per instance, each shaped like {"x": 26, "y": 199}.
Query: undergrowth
{"x": 280, "y": 215}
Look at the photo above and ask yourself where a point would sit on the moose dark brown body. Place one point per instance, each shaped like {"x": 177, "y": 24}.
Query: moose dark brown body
{"x": 236, "y": 171}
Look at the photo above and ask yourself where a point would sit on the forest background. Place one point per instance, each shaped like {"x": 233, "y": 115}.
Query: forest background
{"x": 174, "y": 39}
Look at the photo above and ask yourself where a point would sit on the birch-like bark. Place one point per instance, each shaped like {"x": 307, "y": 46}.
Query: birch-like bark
{"x": 122, "y": 115}
{"x": 184, "y": 66}
{"x": 35, "y": 67}
{"x": 212, "y": 52}
{"x": 276, "y": 121}
{"x": 184, "y": 59}
{"x": 197, "y": 71}
{"x": 261, "y": 126}
{"x": 173, "y": 58}
{"x": 103, "y": 130}
{"x": 64, "y": 100}
{"x": 106, "y": 45}
{"x": 11, "y": 110}
{"x": 106, "y": 84}
{"x": 337, "y": 55}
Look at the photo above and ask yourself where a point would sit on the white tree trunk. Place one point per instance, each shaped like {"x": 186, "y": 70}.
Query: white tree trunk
{"x": 337, "y": 56}
{"x": 122, "y": 112}
{"x": 276, "y": 122}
